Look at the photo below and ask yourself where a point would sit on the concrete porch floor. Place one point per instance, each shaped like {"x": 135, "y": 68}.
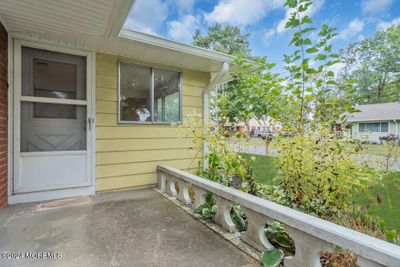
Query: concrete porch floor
{"x": 131, "y": 228}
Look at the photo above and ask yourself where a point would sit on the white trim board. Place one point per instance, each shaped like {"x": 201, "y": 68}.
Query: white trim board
{"x": 51, "y": 195}
{"x": 14, "y": 56}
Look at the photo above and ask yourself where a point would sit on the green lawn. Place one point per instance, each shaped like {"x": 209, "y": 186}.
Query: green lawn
{"x": 374, "y": 149}
{"x": 389, "y": 209}
{"x": 263, "y": 167}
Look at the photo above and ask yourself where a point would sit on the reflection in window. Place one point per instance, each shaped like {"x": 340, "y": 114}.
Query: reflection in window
{"x": 135, "y": 93}
{"x": 144, "y": 90}
{"x": 54, "y": 79}
{"x": 166, "y": 96}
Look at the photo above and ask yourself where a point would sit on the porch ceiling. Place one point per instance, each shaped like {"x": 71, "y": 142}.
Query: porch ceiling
{"x": 96, "y": 26}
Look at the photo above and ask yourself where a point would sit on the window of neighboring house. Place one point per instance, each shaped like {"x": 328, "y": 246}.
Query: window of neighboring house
{"x": 148, "y": 95}
{"x": 376, "y": 127}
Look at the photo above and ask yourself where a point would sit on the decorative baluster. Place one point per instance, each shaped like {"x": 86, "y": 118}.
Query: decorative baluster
{"x": 161, "y": 181}
{"x": 170, "y": 188}
{"x": 200, "y": 196}
{"x": 223, "y": 216}
{"x": 308, "y": 249}
{"x": 255, "y": 233}
{"x": 183, "y": 194}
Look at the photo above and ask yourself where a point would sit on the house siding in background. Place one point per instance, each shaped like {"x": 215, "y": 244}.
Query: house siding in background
{"x": 127, "y": 154}
{"x": 3, "y": 116}
{"x": 374, "y": 137}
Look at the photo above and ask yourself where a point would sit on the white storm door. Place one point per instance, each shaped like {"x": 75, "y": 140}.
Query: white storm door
{"x": 51, "y": 122}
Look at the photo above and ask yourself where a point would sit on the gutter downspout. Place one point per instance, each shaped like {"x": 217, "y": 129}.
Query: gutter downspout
{"x": 206, "y": 105}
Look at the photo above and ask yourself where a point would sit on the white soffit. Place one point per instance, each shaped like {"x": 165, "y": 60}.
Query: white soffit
{"x": 94, "y": 26}
{"x": 68, "y": 16}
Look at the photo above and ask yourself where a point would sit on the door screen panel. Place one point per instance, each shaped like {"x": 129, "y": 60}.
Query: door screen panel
{"x": 41, "y": 134}
{"x": 54, "y": 111}
{"x": 53, "y": 126}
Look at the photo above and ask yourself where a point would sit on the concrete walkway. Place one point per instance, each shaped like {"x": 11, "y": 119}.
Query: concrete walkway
{"x": 131, "y": 228}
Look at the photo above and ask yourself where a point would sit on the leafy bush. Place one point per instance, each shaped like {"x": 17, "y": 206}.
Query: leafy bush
{"x": 278, "y": 237}
{"x": 319, "y": 173}
{"x": 208, "y": 209}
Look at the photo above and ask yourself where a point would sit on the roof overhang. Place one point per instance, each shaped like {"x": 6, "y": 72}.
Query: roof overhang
{"x": 97, "y": 26}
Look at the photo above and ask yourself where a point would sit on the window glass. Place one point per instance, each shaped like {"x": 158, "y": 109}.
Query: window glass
{"x": 370, "y": 127}
{"x": 166, "y": 96}
{"x": 144, "y": 90}
{"x": 135, "y": 92}
{"x": 384, "y": 127}
{"x": 53, "y": 74}
{"x": 361, "y": 127}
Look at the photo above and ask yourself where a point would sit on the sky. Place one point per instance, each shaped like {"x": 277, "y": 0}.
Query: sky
{"x": 263, "y": 20}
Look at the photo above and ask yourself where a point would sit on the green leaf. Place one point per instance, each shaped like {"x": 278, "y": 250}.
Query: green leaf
{"x": 199, "y": 209}
{"x": 207, "y": 213}
{"x": 311, "y": 50}
{"x": 283, "y": 240}
{"x": 307, "y": 41}
{"x": 209, "y": 199}
{"x": 308, "y": 97}
{"x": 214, "y": 209}
{"x": 271, "y": 257}
{"x": 391, "y": 235}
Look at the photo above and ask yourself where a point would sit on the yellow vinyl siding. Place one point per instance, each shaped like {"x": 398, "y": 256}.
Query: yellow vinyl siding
{"x": 127, "y": 154}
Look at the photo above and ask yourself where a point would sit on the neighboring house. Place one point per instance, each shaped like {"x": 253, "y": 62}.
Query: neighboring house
{"x": 375, "y": 120}
{"x": 87, "y": 106}
{"x": 256, "y": 127}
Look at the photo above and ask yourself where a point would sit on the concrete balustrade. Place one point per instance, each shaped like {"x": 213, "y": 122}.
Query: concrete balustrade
{"x": 311, "y": 235}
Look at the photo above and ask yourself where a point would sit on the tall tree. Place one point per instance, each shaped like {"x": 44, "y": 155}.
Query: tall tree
{"x": 374, "y": 65}
{"x": 227, "y": 104}
{"x": 225, "y": 39}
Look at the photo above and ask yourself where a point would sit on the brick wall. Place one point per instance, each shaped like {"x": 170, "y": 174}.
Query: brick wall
{"x": 3, "y": 116}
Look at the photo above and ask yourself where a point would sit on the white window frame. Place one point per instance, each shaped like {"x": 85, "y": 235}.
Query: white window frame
{"x": 152, "y": 68}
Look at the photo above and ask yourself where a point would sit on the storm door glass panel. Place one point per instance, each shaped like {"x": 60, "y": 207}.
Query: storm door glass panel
{"x": 52, "y": 126}
{"x": 166, "y": 96}
{"x": 53, "y": 74}
{"x": 135, "y": 93}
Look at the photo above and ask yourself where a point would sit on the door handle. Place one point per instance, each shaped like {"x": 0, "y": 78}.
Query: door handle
{"x": 90, "y": 123}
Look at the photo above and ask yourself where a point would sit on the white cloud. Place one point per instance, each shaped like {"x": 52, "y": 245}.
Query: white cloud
{"x": 241, "y": 12}
{"x": 375, "y": 6}
{"x": 184, "y": 6}
{"x": 353, "y": 28}
{"x": 383, "y": 25}
{"x": 182, "y": 30}
{"x": 147, "y": 15}
{"x": 314, "y": 8}
{"x": 268, "y": 34}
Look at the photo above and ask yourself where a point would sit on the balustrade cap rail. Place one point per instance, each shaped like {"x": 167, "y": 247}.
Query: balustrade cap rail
{"x": 364, "y": 245}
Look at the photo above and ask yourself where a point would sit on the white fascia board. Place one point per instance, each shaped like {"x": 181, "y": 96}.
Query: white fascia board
{"x": 173, "y": 45}
{"x": 118, "y": 16}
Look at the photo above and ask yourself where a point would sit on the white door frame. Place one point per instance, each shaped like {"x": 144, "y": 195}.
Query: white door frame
{"x": 14, "y": 101}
